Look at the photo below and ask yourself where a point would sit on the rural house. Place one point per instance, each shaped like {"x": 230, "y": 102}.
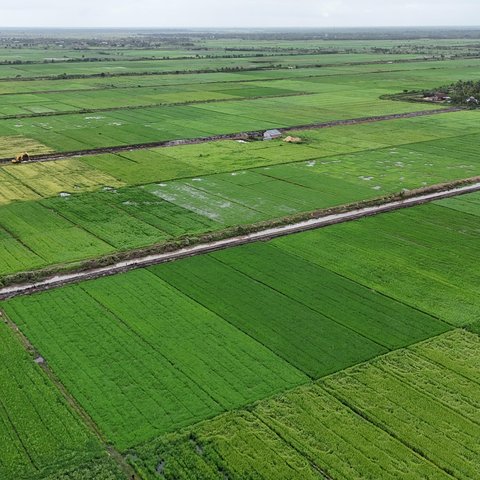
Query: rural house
{"x": 272, "y": 134}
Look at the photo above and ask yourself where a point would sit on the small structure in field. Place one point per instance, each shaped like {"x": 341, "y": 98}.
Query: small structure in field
{"x": 290, "y": 139}
{"x": 440, "y": 97}
{"x": 472, "y": 101}
{"x": 21, "y": 157}
{"x": 436, "y": 97}
{"x": 272, "y": 134}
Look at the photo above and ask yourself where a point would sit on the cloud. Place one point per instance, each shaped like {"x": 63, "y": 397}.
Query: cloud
{"x": 235, "y": 13}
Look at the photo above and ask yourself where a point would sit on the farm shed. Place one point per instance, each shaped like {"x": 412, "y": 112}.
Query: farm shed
{"x": 272, "y": 134}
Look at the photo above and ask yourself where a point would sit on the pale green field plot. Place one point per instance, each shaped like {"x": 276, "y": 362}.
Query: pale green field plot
{"x": 13, "y": 145}
{"x": 410, "y": 414}
{"x": 428, "y": 406}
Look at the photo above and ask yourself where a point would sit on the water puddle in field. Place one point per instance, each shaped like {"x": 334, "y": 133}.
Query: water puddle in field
{"x": 161, "y": 467}
{"x": 198, "y": 447}
{"x": 64, "y": 194}
{"x": 197, "y": 179}
{"x": 107, "y": 188}
{"x": 332, "y": 161}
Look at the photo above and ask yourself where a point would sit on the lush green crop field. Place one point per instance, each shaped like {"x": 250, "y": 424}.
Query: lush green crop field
{"x": 431, "y": 407}
{"x": 126, "y": 127}
{"x": 24, "y": 99}
{"x": 395, "y": 76}
{"x": 388, "y": 323}
{"x": 207, "y": 187}
{"x": 325, "y": 94}
{"x": 327, "y": 354}
{"x": 410, "y": 414}
{"x": 270, "y": 443}
{"x": 149, "y": 369}
{"x": 39, "y": 432}
{"x": 195, "y": 64}
{"x": 407, "y": 255}
{"x": 262, "y": 313}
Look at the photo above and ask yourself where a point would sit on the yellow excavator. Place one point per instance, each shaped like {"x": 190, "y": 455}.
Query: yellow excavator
{"x": 21, "y": 157}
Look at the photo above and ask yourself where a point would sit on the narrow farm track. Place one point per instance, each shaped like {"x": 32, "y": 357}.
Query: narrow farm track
{"x": 261, "y": 235}
{"x": 230, "y": 136}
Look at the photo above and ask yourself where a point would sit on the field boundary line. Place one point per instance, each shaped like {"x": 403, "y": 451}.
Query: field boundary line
{"x": 473, "y": 185}
{"x": 229, "y": 136}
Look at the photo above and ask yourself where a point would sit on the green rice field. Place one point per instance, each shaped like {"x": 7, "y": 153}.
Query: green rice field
{"x": 97, "y": 205}
{"x": 345, "y": 352}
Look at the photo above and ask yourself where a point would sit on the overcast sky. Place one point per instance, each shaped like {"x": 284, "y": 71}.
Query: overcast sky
{"x": 237, "y": 13}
